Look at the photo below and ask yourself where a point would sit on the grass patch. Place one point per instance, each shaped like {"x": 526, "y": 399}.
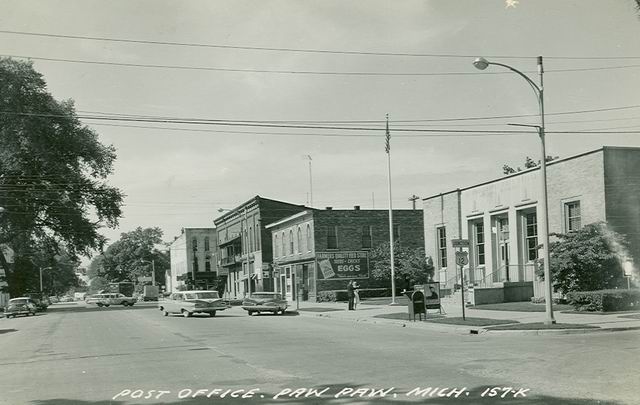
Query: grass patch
{"x": 634, "y": 311}
{"x": 541, "y": 325}
{"x": 472, "y": 321}
{"x": 634, "y": 316}
{"x": 524, "y": 306}
{"x": 404, "y": 316}
{"x": 401, "y": 300}
{"x": 320, "y": 309}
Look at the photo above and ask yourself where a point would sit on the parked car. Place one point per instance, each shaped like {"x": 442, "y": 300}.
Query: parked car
{"x": 54, "y": 299}
{"x": 188, "y": 303}
{"x": 105, "y": 300}
{"x": 20, "y": 306}
{"x": 66, "y": 298}
{"x": 41, "y": 302}
{"x": 264, "y": 302}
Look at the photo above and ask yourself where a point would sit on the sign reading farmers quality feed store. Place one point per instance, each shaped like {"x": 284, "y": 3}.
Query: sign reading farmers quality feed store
{"x": 342, "y": 265}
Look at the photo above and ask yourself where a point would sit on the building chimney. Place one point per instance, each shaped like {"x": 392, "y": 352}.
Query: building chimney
{"x": 356, "y": 207}
{"x": 328, "y": 208}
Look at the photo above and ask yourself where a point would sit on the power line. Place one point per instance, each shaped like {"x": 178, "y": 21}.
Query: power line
{"x": 301, "y": 50}
{"x": 305, "y": 72}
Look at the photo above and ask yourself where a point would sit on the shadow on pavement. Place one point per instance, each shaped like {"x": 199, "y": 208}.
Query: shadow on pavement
{"x": 7, "y": 331}
{"x": 96, "y": 308}
{"x": 328, "y": 397}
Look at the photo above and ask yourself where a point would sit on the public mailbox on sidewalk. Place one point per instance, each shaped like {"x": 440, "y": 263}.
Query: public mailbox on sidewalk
{"x": 416, "y": 304}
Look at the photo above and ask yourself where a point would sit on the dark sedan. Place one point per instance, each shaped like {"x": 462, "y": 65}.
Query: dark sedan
{"x": 264, "y": 302}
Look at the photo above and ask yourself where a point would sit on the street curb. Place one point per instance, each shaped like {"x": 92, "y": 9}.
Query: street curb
{"x": 561, "y": 331}
{"x": 466, "y": 329}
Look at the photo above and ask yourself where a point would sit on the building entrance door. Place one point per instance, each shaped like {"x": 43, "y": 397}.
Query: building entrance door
{"x": 289, "y": 284}
{"x": 503, "y": 248}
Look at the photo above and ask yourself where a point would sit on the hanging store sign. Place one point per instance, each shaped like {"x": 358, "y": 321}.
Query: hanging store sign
{"x": 342, "y": 265}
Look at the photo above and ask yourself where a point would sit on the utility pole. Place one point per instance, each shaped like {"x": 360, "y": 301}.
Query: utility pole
{"x": 393, "y": 273}
{"x": 413, "y": 199}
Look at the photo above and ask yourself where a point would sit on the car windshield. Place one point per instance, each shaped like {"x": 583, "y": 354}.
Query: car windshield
{"x": 264, "y": 296}
{"x": 207, "y": 295}
{"x": 19, "y": 301}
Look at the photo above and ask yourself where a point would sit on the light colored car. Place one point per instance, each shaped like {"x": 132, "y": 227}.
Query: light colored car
{"x": 105, "y": 300}
{"x": 20, "y": 306}
{"x": 188, "y": 303}
{"x": 264, "y": 302}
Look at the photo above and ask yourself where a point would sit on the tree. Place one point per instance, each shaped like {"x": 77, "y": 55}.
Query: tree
{"x": 528, "y": 164}
{"x": 411, "y": 266}
{"x": 58, "y": 272}
{"x": 589, "y": 259}
{"x": 53, "y": 171}
{"x": 131, "y": 256}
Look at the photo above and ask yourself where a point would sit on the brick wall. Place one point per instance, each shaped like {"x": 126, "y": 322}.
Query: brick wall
{"x": 438, "y": 211}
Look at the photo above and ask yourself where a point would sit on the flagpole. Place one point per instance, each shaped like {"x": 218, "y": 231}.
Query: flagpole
{"x": 391, "y": 243}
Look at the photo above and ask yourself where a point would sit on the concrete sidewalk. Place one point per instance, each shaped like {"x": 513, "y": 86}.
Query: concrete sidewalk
{"x": 451, "y": 308}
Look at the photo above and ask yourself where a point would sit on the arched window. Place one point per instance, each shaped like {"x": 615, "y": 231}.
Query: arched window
{"x": 206, "y": 244}
{"x": 250, "y": 239}
{"x": 299, "y": 240}
{"x": 309, "y": 238}
{"x": 283, "y": 245}
{"x": 276, "y": 247}
{"x": 290, "y": 241}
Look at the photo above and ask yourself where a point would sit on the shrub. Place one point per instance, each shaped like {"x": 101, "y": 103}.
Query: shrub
{"x": 537, "y": 300}
{"x": 341, "y": 295}
{"x": 605, "y": 300}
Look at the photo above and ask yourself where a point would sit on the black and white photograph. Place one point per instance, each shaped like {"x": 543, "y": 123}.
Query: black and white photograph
{"x": 336, "y": 202}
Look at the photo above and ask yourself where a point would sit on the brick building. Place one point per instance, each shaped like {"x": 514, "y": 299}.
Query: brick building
{"x": 193, "y": 257}
{"x": 244, "y": 244}
{"x": 321, "y": 250}
{"x": 499, "y": 218}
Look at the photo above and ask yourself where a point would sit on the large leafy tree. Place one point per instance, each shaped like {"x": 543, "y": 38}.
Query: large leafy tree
{"x": 132, "y": 256}
{"x": 53, "y": 171}
{"x": 589, "y": 259}
{"x": 411, "y": 266}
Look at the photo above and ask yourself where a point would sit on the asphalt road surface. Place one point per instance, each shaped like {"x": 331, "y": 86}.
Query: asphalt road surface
{"x": 135, "y": 355}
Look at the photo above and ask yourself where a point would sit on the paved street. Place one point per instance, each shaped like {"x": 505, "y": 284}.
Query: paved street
{"x": 88, "y": 356}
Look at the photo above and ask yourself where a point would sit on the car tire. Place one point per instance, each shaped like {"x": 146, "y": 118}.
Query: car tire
{"x": 107, "y": 305}
{"x": 250, "y": 313}
{"x": 212, "y": 314}
{"x": 99, "y": 304}
{"x": 165, "y": 313}
{"x": 186, "y": 314}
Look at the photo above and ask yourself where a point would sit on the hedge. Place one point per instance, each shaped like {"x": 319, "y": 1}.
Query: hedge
{"x": 605, "y": 300}
{"x": 341, "y": 295}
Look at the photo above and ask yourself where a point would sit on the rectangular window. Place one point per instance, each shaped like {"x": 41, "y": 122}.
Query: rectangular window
{"x": 478, "y": 229}
{"x": 366, "y": 237}
{"x": 442, "y": 246}
{"x": 332, "y": 237}
{"x": 207, "y": 266}
{"x": 572, "y": 216}
{"x": 531, "y": 236}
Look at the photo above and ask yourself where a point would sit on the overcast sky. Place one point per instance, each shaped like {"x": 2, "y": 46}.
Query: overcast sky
{"x": 177, "y": 178}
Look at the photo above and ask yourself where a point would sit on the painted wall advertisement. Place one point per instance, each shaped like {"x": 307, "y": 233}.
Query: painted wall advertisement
{"x": 342, "y": 265}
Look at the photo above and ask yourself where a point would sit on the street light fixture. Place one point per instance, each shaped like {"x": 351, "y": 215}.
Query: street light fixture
{"x": 482, "y": 64}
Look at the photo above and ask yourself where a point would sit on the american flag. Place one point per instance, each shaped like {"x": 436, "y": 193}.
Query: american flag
{"x": 387, "y": 146}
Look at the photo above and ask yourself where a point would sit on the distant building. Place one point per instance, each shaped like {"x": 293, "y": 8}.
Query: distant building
{"x": 193, "y": 260}
{"x": 245, "y": 245}
{"x": 321, "y": 250}
{"x": 500, "y": 219}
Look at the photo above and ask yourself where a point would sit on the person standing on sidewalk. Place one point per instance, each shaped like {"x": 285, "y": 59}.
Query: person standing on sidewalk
{"x": 351, "y": 295}
{"x": 356, "y": 295}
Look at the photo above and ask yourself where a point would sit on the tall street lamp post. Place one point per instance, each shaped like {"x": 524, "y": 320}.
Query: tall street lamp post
{"x": 43, "y": 268}
{"x": 481, "y": 64}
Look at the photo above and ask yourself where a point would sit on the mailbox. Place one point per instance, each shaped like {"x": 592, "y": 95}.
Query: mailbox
{"x": 416, "y": 305}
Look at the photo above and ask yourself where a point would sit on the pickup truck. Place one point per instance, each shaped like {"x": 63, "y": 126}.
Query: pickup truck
{"x": 104, "y": 300}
